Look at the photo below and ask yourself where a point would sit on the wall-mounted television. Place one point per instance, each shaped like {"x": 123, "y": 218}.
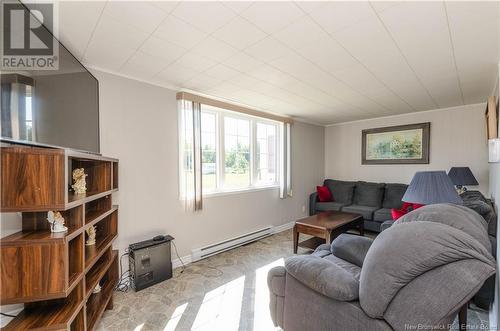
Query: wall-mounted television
{"x": 51, "y": 107}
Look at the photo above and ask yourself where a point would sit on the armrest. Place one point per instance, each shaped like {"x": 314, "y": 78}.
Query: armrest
{"x": 352, "y": 248}
{"x": 276, "y": 283}
{"x": 313, "y": 198}
{"x": 323, "y": 277}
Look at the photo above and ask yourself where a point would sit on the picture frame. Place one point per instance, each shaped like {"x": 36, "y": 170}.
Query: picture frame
{"x": 401, "y": 144}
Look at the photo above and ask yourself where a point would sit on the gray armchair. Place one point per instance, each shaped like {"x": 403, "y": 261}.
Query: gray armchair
{"x": 420, "y": 271}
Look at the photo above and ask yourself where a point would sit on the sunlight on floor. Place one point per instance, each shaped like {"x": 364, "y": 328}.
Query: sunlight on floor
{"x": 221, "y": 307}
{"x": 262, "y": 317}
{"x": 139, "y": 327}
{"x": 176, "y": 317}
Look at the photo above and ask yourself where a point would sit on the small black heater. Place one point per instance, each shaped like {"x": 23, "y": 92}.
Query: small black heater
{"x": 150, "y": 262}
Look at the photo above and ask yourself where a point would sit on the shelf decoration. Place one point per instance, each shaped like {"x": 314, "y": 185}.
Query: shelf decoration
{"x": 56, "y": 221}
{"x": 79, "y": 182}
{"x": 91, "y": 233}
{"x": 97, "y": 289}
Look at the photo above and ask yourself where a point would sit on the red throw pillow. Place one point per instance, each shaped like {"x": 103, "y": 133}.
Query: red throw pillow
{"x": 405, "y": 209}
{"x": 417, "y": 205}
{"x": 324, "y": 194}
{"x": 397, "y": 213}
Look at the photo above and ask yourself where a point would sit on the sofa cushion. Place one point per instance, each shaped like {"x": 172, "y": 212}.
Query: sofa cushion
{"x": 393, "y": 195}
{"x": 365, "y": 211}
{"x": 382, "y": 215}
{"x": 328, "y": 206}
{"x": 342, "y": 191}
{"x": 369, "y": 194}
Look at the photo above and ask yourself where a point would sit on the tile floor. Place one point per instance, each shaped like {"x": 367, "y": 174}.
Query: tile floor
{"x": 224, "y": 292}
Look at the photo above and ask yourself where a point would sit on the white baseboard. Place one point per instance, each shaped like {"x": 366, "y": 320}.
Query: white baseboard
{"x": 283, "y": 227}
{"x": 187, "y": 259}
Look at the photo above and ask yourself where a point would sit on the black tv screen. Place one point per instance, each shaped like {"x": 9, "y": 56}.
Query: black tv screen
{"x": 51, "y": 107}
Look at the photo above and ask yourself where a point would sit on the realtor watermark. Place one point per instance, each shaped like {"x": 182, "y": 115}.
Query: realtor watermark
{"x": 27, "y": 42}
{"x": 481, "y": 326}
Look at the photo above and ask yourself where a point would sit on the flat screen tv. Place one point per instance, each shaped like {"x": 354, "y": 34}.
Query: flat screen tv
{"x": 51, "y": 107}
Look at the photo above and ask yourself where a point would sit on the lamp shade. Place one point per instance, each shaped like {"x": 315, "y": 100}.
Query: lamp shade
{"x": 430, "y": 187}
{"x": 462, "y": 176}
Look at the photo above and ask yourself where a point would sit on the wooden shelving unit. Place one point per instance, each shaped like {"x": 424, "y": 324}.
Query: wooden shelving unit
{"x": 54, "y": 274}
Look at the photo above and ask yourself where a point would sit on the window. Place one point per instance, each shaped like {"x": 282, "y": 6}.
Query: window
{"x": 266, "y": 166}
{"x": 209, "y": 150}
{"x": 238, "y": 151}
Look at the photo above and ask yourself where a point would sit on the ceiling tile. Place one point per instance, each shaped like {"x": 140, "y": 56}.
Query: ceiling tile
{"x": 141, "y": 15}
{"x": 143, "y": 66}
{"x": 206, "y": 16}
{"x": 309, "y": 6}
{"x": 166, "y": 6}
{"x": 169, "y": 52}
{"x": 202, "y": 82}
{"x": 337, "y": 15}
{"x": 179, "y": 32}
{"x": 242, "y": 62}
{"x": 195, "y": 61}
{"x": 329, "y": 55}
{"x": 303, "y": 34}
{"x": 272, "y": 16}
{"x": 268, "y": 50}
{"x": 77, "y": 21}
{"x": 222, "y": 72}
{"x": 381, "y": 6}
{"x": 109, "y": 30}
{"x": 427, "y": 47}
{"x": 106, "y": 55}
{"x": 214, "y": 49}
{"x": 239, "y": 33}
{"x": 175, "y": 75}
{"x": 237, "y": 6}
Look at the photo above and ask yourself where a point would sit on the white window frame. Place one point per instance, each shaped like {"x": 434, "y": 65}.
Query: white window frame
{"x": 221, "y": 114}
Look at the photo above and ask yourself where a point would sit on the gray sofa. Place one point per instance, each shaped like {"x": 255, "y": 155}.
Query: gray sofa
{"x": 418, "y": 273}
{"x": 372, "y": 200}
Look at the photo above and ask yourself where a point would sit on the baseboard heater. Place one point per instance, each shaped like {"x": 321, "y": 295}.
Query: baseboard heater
{"x": 203, "y": 252}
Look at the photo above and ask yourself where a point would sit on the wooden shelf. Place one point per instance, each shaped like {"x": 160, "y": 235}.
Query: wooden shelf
{"x": 94, "y": 252}
{"x": 54, "y": 274}
{"x": 97, "y": 302}
{"x": 57, "y": 315}
{"x": 96, "y": 273}
{"x": 79, "y": 199}
{"x": 28, "y": 237}
{"x": 101, "y": 216}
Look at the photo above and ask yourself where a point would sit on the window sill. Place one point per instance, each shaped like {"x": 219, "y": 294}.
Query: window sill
{"x": 240, "y": 191}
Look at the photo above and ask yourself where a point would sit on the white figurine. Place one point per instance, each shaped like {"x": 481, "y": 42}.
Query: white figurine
{"x": 56, "y": 221}
{"x": 79, "y": 183}
{"x": 91, "y": 236}
{"x": 97, "y": 288}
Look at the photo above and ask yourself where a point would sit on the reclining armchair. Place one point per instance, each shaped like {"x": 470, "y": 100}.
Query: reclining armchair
{"x": 415, "y": 275}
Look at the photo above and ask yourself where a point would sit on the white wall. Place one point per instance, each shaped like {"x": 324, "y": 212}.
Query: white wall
{"x": 139, "y": 126}
{"x": 458, "y": 138}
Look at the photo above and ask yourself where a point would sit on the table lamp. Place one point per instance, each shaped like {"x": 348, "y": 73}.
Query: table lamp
{"x": 461, "y": 176}
{"x": 431, "y": 187}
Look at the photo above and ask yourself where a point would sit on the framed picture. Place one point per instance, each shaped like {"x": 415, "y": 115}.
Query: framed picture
{"x": 402, "y": 144}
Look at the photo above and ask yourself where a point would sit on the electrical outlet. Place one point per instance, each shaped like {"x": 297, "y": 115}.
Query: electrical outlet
{"x": 303, "y": 209}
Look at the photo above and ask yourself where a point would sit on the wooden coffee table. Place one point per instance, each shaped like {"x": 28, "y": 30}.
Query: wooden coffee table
{"x": 325, "y": 227}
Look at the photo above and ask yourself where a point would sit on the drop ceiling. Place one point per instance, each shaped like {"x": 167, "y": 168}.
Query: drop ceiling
{"x": 323, "y": 62}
